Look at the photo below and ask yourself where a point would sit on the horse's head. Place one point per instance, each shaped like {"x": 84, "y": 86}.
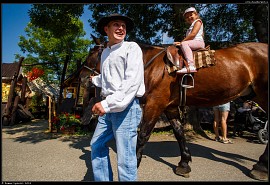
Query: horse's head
{"x": 93, "y": 58}
{"x": 92, "y": 65}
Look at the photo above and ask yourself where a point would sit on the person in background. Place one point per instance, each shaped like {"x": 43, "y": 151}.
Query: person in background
{"x": 221, "y": 113}
{"x": 193, "y": 40}
{"x": 247, "y": 105}
{"x": 122, "y": 82}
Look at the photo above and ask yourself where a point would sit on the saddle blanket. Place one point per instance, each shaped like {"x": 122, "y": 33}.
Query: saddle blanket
{"x": 202, "y": 58}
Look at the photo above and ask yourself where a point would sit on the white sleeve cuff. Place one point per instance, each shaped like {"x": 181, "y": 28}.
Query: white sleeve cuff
{"x": 105, "y": 106}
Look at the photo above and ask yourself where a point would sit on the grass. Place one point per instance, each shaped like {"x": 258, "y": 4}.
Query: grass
{"x": 166, "y": 131}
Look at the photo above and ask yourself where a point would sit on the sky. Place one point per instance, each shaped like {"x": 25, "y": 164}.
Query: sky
{"x": 15, "y": 19}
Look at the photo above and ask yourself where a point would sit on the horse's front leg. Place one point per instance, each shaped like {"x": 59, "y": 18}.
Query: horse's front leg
{"x": 183, "y": 167}
{"x": 150, "y": 117}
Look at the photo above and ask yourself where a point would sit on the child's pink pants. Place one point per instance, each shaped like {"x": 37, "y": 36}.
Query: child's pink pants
{"x": 188, "y": 46}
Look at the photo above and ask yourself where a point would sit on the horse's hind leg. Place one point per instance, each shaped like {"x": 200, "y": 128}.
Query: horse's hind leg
{"x": 183, "y": 168}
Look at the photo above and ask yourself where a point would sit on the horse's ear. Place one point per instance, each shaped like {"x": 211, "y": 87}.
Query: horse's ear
{"x": 105, "y": 44}
{"x": 93, "y": 37}
{"x": 96, "y": 40}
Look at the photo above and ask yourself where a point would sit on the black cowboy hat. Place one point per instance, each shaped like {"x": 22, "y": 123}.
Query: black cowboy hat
{"x": 105, "y": 20}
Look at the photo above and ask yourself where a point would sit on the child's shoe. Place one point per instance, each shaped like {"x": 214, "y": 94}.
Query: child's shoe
{"x": 184, "y": 70}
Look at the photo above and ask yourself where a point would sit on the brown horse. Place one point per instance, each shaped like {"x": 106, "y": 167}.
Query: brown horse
{"x": 239, "y": 71}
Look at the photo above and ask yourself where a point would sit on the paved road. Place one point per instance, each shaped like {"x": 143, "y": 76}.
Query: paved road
{"x": 31, "y": 154}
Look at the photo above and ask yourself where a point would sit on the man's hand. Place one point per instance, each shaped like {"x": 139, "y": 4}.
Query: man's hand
{"x": 98, "y": 109}
{"x": 90, "y": 78}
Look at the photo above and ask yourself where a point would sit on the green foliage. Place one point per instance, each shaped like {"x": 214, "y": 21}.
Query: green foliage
{"x": 59, "y": 19}
{"x": 232, "y": 23}
{"x": 66, "y": 120}
{"x": 177, "y": 25}
{"x": 149, "y": 19}
{"x": 228, "y": 22}
{"x": 43, "y": 48}
{"x": 54, "y": 40}
{"x": 163, "y": 131}
{"x": 36, "y": 101}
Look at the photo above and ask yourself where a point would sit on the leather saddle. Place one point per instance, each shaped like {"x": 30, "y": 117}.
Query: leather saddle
{"x": 176, "y": 57}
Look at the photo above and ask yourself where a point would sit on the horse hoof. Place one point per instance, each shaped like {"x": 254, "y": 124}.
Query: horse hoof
{"x": 186, "y": 175}
{"x": 258, "y": 175}
{"x": 182, "y": 171}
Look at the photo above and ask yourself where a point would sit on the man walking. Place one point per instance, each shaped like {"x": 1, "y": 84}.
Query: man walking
{"x": 122, "y": 82}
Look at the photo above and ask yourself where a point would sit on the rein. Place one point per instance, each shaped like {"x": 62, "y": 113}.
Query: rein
{"x": 93, "y": 70}
{"x": 151, "y": 60}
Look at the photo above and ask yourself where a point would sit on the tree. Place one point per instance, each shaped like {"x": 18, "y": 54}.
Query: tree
{"x": 260, "y": 22}
{"x": 149, "y": 19}
{"x": 43, "y": 48}
{"x": 59, "y": 19}
{"x": 61, "y": 22}
{"x": 223, "y": 23}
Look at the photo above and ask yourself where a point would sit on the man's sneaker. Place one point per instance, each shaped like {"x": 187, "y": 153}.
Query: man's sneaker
{"x": 184, "y": 70}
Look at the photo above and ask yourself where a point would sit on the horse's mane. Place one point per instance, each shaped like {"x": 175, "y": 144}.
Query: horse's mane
{"x": 144, "y": 45}
{"x": 150, "y": 46}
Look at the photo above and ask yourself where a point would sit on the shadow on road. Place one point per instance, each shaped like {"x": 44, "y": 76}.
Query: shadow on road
{"x": 159, "y": 150}
{"x": 34, "y": 132}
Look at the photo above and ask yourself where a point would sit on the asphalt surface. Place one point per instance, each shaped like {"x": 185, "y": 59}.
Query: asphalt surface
{"x": 31, "y": 154}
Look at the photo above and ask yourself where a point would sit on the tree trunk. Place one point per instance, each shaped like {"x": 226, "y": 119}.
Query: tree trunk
{"x": 24, "y": 84}
{"x": 62, "y": 80}
{"x": 260, "y": 22}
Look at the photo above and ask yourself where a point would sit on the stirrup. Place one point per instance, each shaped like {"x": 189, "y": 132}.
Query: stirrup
{"x": 185, "y": 78}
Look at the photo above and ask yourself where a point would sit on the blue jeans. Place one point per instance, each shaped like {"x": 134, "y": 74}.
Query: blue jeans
{"x": 123, "y": 127}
